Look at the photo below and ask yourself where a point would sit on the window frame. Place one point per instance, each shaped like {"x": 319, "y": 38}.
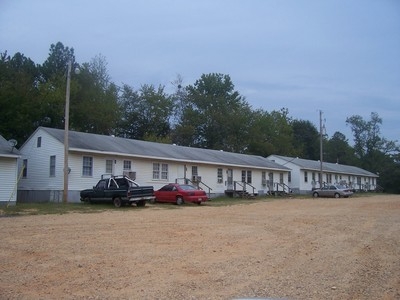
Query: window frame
{"x": 52, "y": 171}
{"x": 87, "y": 166}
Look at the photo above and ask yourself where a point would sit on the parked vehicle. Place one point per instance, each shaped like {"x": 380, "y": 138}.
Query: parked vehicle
{"x": 119, "y": 190}
{"x": 335, "y": 191}
{"x": 180, "y": 193}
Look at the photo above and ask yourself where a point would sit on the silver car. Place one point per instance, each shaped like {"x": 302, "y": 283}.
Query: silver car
{"x": 335, "y": 191}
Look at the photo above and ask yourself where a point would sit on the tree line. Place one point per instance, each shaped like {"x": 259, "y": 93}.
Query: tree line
{"x": 209, "y": 113}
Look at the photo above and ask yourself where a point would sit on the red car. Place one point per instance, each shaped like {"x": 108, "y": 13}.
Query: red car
{"x": 180, "y": 193}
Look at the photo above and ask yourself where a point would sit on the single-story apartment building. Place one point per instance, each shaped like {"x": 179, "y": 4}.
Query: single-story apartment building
{"x": 305, "y": 174}
{"x": 9, "y": 156}
{"x": 149, "y": 163}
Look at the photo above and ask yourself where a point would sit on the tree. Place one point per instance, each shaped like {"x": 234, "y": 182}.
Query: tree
{"x": 337, "y": 149}
{"x": 53, "y": 79}
{"x": 94, "y": 99}
{"x": 306, "y": 139}
{"x": 376, "y": 153}
{"x": 20, "y": 108}
{"x": 271, "y": 133}
{"x": 215, "y": 116}
{"x": 368, "y": 144}
{"x": 146, "y": 113}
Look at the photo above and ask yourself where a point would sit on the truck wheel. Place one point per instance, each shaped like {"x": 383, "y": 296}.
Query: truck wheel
{"x": 179, "y": 200}
{"x": 337, "y": 195}
{"x": 141, "y": 203}
{"x": 117, "y": 202}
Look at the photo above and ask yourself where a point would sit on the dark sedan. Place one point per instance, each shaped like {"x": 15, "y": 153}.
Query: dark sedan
{"x": 180, "y": 193}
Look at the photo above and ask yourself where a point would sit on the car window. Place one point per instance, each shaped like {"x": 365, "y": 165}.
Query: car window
{"x": 123, "y": 183}
{"x": 101, "y": 184}
{"x": 187, "y": 187}
{"x": 113, "y": 184}
{"x": 166, "y": 188}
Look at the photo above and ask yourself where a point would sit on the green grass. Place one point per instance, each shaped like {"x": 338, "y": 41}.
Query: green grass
{"x": 23, "y": 209}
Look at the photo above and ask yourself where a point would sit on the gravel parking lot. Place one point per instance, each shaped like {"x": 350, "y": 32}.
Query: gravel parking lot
{"x": 284, "y": 249}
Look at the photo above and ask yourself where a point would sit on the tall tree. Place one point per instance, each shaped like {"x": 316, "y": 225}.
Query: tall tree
{"x": 271, "y": 133}
{"x": 215, "y": 116}
{"x": 20, "y": 109}
{"x": 337, "y": 149}
{"x": 368, "y": 142}
{"x": 146, "y": 113}
{"x": 94, "y": 99}
{"x": 53, "y": 84}
{"x": 306, "y": 139}
{"x": 376, "y": 153}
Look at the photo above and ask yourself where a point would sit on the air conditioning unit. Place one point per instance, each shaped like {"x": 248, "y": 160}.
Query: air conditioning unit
{"x": 196, "y": 178}
{"x": 130, "y": 174}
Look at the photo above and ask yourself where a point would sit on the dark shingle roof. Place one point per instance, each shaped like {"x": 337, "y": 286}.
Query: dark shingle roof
{"x": 108, "y": 144}
{"x": 326, "y": 167}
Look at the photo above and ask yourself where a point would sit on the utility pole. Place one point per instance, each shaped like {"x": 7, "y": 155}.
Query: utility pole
{"x": 320, "y": 149}
{"x": 66, "y": 129}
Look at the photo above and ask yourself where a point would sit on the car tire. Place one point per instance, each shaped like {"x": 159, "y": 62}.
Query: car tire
{"x": 87, "y": 200}
{"x": 179, "y": 200}
{"x": 117, "y": 202}
{"x": 315, "y": 195}
{"x": 337, "y": 195}
{"x": 141, "y": 203}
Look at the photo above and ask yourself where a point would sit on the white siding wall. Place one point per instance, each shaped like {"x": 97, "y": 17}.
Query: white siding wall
{"x": 38, "y": 170}
{"x": 51, "y": 187}
{"x": 8, "y": 180}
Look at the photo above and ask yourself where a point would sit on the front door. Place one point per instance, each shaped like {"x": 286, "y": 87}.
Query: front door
{"x": 229, "y": 179}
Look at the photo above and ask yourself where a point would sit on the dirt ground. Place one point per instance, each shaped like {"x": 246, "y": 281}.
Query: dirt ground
{"x": 280, "y": 249}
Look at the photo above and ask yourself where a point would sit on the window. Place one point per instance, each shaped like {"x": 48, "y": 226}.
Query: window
{"x": 52, "y": 166}
{"x": 195, "y": 171}
{"x": 109, "y": 166}
{"x": 313, "y": 176}
{"x": 249, "y": 177}
{"x": 160, "y": 171}
{"x": 305, "y": 176}
{"x": 127, "y": 165}
{"x": 329, "y": 178}
{"x": 264, "y": 178}
{"x": 39, "y": 142}
{"x": 156, "y": 171}
{"x": 290, "y": 176}
{"x": 246, "y": 176}
{"x": 25, "y": 168}
{"x": 220, "y": 178}
{"x": 164, "y": 171}
{"x": 280, "y": 177}
{"x": 87, "y": 166}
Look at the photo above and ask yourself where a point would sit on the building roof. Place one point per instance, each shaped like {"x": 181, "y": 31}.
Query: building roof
{"x": 326, "y": 166}
{"x": 6, "y": 150}
{"x": 95, "y": 143}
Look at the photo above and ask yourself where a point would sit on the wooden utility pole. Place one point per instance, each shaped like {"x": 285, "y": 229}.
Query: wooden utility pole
{"x": 66, "y": 129}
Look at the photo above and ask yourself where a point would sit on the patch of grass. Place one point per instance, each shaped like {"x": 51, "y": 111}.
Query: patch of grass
{"x": 22, "y": 209}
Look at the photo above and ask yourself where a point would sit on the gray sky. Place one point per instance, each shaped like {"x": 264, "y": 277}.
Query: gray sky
{"x": 341, "y": 57}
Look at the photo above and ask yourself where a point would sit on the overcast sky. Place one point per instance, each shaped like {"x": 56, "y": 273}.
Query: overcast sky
{"x": 341, "y": 57}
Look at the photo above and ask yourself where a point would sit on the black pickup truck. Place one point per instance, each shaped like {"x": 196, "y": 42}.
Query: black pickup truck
{"x": 119, "y": 190}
